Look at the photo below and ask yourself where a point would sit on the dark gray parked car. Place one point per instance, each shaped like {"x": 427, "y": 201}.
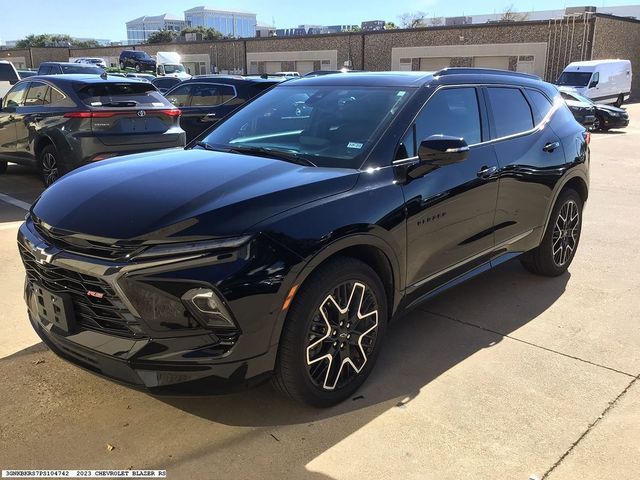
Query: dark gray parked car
{"x": 60, "y": 122}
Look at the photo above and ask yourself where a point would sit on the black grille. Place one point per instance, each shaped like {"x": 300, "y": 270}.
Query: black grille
{"x": 74, "y": 243}
{"x": 107, "y": 314}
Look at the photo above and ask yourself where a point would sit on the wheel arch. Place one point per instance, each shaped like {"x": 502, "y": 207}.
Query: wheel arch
{"x": 578, "y": 182}
{"x": 370, "y": 249}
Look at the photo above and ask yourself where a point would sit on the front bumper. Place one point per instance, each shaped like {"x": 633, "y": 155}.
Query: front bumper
{"x": 615, "y": 122}
{"x": 132, "y": 350}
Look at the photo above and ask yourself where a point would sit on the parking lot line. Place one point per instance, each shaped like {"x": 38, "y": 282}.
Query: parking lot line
{"x": 15, "y": 202}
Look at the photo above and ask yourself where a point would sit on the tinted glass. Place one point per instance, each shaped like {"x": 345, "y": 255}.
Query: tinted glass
{"x": 38, "y": 94}
{"x": 576, "y": 79}
{"x": 511, "y": 112}
{"x": 180, "y": 96}
{"x": 15, "y": 96}
{"x": 7, "y": 73}
{"x": 59, "y": 99}
{"x": 206, "y": 94}
{"x": 329, "y": 126}
{"x": 452, "y": 111}
{"x": 407, "y": 147}
{"x": 541, "y": 103}
{"x": 121, "y": 94}
{"x": 44, "y": 70}
{"x": 80, "y": 68}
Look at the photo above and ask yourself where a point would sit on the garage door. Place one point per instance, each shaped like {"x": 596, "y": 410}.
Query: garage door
{"x": 501, "y": 63}
{"x": 434, "y": 64}
{"x": 304, "y": 66}
{"x": 272, "y": 67}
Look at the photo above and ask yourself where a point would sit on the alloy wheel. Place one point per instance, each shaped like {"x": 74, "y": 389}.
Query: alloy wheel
{"x": 596, "y": 124}
{"x": 342, "y": 335}
{"x": 49, "y": 168}
{"x": 566, "y": 232}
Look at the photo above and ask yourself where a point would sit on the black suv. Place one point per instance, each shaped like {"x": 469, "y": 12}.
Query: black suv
{"x": 60, "y": 122}
{"x": 137, "y": 59}
{"x": 284, "y": 242}
{"x": 206, "y": 100}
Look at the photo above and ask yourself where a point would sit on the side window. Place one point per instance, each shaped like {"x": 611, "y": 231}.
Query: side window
{"x": 15, "y": 96}
{"x": 451, "y": 111}
{"x": 38, "y": 94}
{"x": 541, "y": 105}
{"x": 180, "y": 96}
{"x": 511, "y": 111}
{"x": 44, "y": 70}
{"x": 210, "y": 95}
{"x": 59, "y": 99}
{"x": 595, "y": 78}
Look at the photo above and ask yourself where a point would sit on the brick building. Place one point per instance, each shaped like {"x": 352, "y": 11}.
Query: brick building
{"x": 540, "y": 47}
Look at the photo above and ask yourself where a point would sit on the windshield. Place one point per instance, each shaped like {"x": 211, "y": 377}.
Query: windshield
{"x": 328, "y": 126}
{"x": 141, "y": 55}
{"x": 574, "y": 79}
{"x": 173, "y": 68}
{"x": 576, "y": 97}
{"x": 80, "y": 69}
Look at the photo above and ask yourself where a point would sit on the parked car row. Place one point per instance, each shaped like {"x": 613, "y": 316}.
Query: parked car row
{"x": 284, "y": 240}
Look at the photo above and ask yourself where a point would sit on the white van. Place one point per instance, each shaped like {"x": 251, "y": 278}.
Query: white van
{"x": 603, "y": 81}
{"x": 8, "y": 77}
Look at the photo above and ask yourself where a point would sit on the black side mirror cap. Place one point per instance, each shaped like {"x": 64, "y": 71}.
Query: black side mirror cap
{"x": 441, "y": 150}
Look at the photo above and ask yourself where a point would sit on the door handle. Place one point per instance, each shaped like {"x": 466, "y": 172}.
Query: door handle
{"x": 209, "y": 117}
{"x": 551, "y": 146}
{"x": 486, "y": 172}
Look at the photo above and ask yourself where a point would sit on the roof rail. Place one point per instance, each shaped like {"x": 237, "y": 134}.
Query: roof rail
{"x": 483, "y": 71}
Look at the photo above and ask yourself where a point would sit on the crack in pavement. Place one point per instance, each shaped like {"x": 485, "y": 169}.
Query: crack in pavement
{"x": 526, "y": 342}
{"x": 589, "y": 428}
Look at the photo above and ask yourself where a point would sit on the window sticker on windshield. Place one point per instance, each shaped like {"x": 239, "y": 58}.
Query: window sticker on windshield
{"x": 401, "y": 93}
{"x": 354, "y": 145}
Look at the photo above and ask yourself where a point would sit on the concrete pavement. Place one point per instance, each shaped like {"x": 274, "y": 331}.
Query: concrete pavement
{"x": 509, "y": 376}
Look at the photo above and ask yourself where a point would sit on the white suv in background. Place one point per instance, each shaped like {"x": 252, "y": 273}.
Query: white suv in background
{"x": 8, "y": 76}
{"x": 98, "y": 62}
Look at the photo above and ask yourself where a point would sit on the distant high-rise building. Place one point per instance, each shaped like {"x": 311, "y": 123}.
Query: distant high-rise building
{"x": 139, "y": 29}
{"x": 234, "y": 23}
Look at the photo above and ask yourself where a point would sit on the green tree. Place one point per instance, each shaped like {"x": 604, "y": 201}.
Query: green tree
{"x": 161, "y": 36}
{"x": 207, "y": 33}
{"x": 390, "y": 26}
{"x": 49, "y": 40}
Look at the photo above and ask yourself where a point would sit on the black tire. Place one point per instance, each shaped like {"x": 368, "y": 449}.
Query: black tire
{"x": 122, "y": 66}
{"x": 49, "y": 165}
{"x": 308, "y": 346}
{"x": 597, "y": 124}
{"x": 619, "y": 101}
{"x": 3, "y": 166}
{"x": 561, "y": 238}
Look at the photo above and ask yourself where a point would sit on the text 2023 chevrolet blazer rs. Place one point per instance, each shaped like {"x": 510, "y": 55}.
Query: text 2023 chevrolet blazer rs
{"x": 285, "y": 240}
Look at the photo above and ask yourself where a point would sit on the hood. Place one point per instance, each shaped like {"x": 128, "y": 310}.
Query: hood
{"x": 578, "y": 104}
{"x": 610, "y": 108}
{"x": 182, "y": 193}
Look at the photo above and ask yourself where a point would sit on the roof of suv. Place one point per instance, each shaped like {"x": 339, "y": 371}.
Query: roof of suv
{"x": 237, "y": 79}
{"x": 417, "y": 79}
{"x": 84, "y": 78}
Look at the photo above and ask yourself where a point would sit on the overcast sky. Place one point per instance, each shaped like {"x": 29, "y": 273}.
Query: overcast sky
{"x": 106, "y": 19}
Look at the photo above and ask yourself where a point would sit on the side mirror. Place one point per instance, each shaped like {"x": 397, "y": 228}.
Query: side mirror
{"x": 594, "y": 83}
{"x": 441, "y": 150}
{"x": 437, "y": 151}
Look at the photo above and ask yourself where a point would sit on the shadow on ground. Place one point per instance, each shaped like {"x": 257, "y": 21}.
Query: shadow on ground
{"x": 419, "y": 348}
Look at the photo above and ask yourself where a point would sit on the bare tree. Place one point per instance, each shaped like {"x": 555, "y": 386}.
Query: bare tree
{"x": 511, "y": 15}
{"x": 413, "y": 20}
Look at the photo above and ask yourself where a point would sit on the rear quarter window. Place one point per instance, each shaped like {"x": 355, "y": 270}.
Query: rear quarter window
{"x": 125, "y": 94}
{"x": 541, "y": 105}
{"x": 511, "y": 111}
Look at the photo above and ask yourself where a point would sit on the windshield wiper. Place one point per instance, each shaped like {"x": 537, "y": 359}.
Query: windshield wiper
{"x": 262, "y": 151}
{"x": 273, "y": 153}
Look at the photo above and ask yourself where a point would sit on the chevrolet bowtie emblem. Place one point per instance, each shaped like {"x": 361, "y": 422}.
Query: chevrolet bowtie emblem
{"x": 42, "y": 256}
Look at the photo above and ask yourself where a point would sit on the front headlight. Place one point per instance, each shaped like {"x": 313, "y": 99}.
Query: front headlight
{"x": 186, "y": 248}
{"x": 614, "y": 114}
